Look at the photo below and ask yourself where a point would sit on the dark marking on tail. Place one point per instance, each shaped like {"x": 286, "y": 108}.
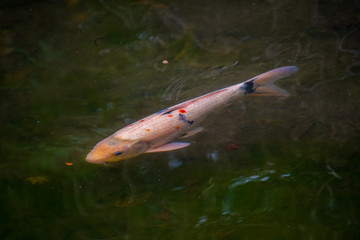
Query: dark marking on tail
{"x": 248, "y": 87}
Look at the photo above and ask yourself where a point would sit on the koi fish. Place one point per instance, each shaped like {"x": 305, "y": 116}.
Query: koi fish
{"x": 157, "y": 132}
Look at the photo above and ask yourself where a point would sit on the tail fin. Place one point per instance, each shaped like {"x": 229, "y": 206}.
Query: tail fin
{"x": 263, "y": 85}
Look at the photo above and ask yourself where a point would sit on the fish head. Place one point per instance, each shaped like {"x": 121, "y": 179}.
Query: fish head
{"x": 113, "y": 149}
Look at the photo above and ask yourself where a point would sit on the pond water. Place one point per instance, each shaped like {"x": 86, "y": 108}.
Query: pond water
{"x": 74, "y": 72}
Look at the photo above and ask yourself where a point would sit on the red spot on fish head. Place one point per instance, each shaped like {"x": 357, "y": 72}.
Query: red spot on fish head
{"x": 170, "y": 115}
{"x": 182, "y": 111}
{"x": 141, "y": 120}
{"x": 177, "y": 127}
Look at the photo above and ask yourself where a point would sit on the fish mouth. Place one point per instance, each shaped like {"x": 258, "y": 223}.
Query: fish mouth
{"x": 91, "y": 158}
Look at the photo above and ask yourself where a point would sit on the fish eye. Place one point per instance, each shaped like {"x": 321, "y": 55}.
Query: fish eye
{"x": 117, "y": 153}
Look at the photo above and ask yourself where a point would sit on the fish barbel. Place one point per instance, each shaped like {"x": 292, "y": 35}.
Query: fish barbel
{"x": 157, "y": 132}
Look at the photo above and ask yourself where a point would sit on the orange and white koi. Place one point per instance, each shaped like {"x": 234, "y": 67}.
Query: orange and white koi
{"x": 157, "y": 132}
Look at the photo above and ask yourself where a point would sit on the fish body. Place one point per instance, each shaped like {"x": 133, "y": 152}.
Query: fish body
{"x": 157, "y": 132}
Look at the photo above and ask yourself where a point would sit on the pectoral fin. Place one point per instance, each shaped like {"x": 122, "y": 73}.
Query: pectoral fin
{"x": 193, "y": 132}
{"x": 169, "y": 147}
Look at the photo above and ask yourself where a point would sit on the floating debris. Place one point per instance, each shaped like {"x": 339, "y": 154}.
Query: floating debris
{"x": 37, "y": 179}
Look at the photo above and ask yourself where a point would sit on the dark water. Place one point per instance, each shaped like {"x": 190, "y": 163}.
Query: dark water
{"x": 73, "y": 72}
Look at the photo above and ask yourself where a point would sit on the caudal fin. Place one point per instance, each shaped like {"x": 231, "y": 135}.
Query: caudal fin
{"x": 263, "y": 85}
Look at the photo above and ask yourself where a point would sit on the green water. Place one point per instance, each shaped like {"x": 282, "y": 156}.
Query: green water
{"x": 73, "y": 72}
